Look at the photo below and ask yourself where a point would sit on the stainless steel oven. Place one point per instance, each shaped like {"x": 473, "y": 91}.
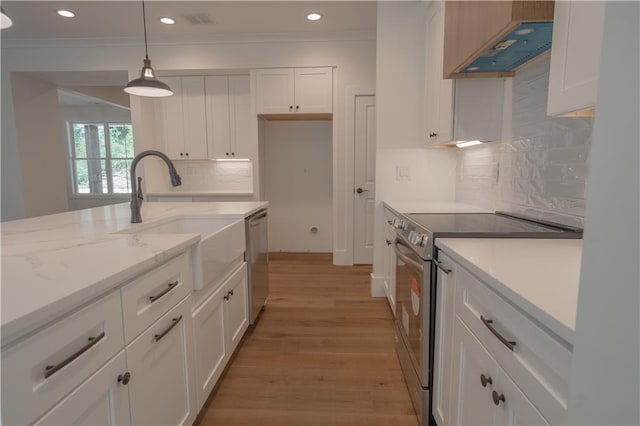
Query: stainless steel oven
{"x": 414, "y": 294}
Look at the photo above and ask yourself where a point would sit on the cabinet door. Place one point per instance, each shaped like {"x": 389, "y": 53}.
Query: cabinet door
{"x": 390, "y": 266}
{"x": 100, "y": 400}
{"x": 170, "y": 110}
{"x": 193, "y": 112}
{"x": 275, "y": 88}
{"x": 439, "y": 92}
{"x": 470, "y": 398}
{"x": 313, "y": 90}
{"x": 240, "y": 116}
{"x": 162, "y": 386}
{"x": 575, "y": 56}
{"x": 218, "y": 129}
{"x": 211, "y": 352}
{"x": 236, "y": 308}
{"x": 443, "y": 356}
{"x": 516, "y": 409}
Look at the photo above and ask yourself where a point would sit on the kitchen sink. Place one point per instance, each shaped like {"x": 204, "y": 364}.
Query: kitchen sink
{"x": 216, "y": 255}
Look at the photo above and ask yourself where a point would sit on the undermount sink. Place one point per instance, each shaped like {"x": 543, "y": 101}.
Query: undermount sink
{"x": 220, "y": 249}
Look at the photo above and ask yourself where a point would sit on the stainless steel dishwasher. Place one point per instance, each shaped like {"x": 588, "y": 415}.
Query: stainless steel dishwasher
{"x": 257, "y": 257}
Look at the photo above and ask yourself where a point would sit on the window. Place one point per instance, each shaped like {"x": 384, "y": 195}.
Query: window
{"x": 101, "y": 155}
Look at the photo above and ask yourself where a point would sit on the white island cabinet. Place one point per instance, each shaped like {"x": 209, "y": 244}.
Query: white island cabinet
{"x": 113, "y": 342}
{"x": 503, "y": 344}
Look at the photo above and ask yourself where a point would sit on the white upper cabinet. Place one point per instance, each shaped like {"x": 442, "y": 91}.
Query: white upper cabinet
{"x": 228, "y": 116}
{"x": 183, "y": 125}
{"x": 438, "y": 91}
{"x": 207, "y": 117}
{"x": 294, "y": 90}
{"x": 575, "y": 57}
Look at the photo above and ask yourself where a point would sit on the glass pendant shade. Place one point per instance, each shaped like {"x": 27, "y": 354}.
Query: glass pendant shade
{"x": 147, "y": 84}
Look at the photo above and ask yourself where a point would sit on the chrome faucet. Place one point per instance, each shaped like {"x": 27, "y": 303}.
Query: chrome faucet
{"x": 136, "y": 188}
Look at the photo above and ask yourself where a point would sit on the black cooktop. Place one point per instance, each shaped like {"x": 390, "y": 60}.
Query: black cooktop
{"x": 492, "y": 225}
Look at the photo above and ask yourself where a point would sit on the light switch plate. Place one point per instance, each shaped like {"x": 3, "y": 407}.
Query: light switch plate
{"x": 403, "y": 173}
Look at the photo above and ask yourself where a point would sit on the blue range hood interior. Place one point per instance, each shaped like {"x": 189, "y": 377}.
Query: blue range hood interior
{"x": 524, "y": 43}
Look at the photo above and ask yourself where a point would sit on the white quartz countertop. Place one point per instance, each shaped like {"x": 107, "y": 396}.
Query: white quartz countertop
{"x": 539, "y": 276}
{"x": 51, "y": 264}
{"x": 433, "y": 207}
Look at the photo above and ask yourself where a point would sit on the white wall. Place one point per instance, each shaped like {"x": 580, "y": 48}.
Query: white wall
{"x": 400, "y": 132}
{"x": 352, "y": 55}
{"x": 298, "y": 185}
{"x": 42, "y": 148}
{"x": 604, "y": 387}
{"x": 541, "y": 168}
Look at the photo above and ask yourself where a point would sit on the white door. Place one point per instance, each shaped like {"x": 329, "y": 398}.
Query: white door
{"x": 364, "y": 179}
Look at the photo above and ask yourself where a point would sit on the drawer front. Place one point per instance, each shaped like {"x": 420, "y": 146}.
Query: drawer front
{"x": 76, "y": 345}
{"x": 539, "y": 362}
{"x": 147, "y": 298}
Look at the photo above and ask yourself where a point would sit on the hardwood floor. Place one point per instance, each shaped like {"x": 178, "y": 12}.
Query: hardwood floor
{"x": 322, "y": 353}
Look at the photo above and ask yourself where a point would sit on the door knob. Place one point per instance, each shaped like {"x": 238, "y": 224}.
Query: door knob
{"x": 360, "y": 190}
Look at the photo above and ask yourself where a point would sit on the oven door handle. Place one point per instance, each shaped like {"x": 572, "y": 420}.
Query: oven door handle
{"x": 404, "y": 258}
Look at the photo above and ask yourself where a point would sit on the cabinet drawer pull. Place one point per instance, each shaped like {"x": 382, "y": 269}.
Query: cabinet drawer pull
{"x": 484, "y": 380}
{"x": 442, "y": 267}
{"x": 170, "y": 287}
{"x": 49, "y": 370}
{"x": 497, "y": 397}
{"x": 124, "y": 378}
{"x": 157, "y": 337}
{"x": 508, "y": 343}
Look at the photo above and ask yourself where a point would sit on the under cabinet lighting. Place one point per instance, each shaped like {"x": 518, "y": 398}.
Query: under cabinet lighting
{"x": 229, "y": 160}
{"x": 314, "y": 16}
{"x": 465, "y": 144}
{"x": 168, "y": 21}
{"x": 66, "y": 13}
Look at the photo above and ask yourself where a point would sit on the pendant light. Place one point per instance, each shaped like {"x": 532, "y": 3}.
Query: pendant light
{"x": 5, "y": 21}
{"x": 147, "y": 84}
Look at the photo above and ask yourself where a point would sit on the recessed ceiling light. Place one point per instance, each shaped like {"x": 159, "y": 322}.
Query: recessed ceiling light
{"x": 314, "y": 16}
{"x": 66, "y": 13}
{"x": 168, "y": 21}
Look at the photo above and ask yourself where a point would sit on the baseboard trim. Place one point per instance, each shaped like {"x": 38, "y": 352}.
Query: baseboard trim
{"x": 377, "y": 286}
{"x": 342, "y": 258}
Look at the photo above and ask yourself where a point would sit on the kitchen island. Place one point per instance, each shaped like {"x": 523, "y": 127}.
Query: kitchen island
{"x": 101, "y": 319}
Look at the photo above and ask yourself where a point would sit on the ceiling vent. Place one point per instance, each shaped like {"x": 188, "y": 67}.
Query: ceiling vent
{"x": 199, "y": 19}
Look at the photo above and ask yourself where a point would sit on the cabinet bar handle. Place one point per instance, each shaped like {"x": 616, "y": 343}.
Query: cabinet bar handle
{"x": 442, "y": 267}
{"x": 508, "y": 343}
{"x": 170, "y": 287}
{"x": 497, "y": 397}
{"x": 50, "y": 370}
{"x": 157, "y": 337}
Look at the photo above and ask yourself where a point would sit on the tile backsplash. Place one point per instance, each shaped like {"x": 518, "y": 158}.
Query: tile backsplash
{"x": 541, "y": 169}
{"x": 205, "y": 175}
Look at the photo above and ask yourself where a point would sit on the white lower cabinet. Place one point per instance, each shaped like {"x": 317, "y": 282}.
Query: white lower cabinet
{"x": 162, "y": 372}
{"x": 482, "y": 392}
{"x": 219, "y": 324}
{"x": 492, "y": 363}
{"x": 101, "y": 400}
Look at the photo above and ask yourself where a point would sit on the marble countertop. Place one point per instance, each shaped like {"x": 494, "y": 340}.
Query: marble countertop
{"x": 541, "y": 277}
{"x": 190, "y": 193}
{"x": 433, "y": 207}
{"x": 51, "y": 264}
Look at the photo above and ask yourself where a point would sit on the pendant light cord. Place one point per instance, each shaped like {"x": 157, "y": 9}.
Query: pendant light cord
{"x": 144, "y": 24}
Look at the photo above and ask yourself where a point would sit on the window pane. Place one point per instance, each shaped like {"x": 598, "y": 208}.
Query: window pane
{"x": 120, "y": 174}
{"x": 91, "y": 176}
{"x": 121, "y": 136}
{"x": 89, "y": 140}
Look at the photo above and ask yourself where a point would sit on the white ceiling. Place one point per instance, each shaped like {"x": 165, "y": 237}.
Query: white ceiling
{"x": 110, "y": 19}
